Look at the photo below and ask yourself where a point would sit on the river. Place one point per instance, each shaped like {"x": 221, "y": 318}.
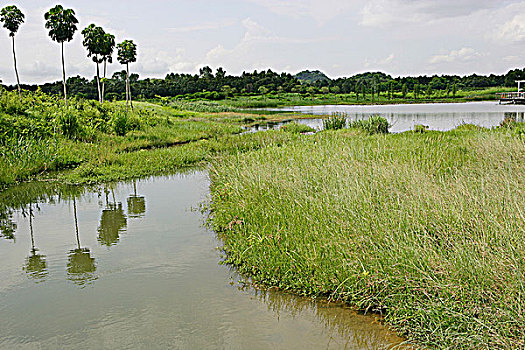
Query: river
{"x": 132, "y": 265}
{"x": 403, "y": 117}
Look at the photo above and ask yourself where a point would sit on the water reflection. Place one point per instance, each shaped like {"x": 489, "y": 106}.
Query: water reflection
{"x": 136, "y": 204}
{"x": 80, "y": 266}
{"x": 113, "y": 221}
{"x": 437, "y": 116}
{"x": 7, "y": 225}
{"x": 35, "y": 264}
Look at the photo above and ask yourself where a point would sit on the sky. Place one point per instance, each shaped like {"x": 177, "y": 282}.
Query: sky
{"x": 338, "y": 37}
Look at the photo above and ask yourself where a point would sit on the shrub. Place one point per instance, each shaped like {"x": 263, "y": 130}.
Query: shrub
{"x": 68, "y": 124}
{"x": 419, "y": 128}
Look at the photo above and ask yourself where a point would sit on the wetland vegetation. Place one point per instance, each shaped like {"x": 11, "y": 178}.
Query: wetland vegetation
{"x": 423, "y": 227}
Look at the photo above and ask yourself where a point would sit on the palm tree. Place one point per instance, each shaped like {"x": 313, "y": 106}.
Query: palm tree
{"x": 61, "y": 23}
{"x": 93, "y": 40}
{"x": 107, "y": 48}
{"x": 81, "y": 266}
{"x": 36, "y": 266}
{"x": 127, "y": 53}
{"x": 12, "y": 18}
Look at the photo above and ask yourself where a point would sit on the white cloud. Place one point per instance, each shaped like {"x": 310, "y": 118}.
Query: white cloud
{"x": 207, "y": 26}
{"x": 379, "y": 64}
{"x": 462, "y": 55}
{"x": 321, "y": 11}
{"x": 512, "y": 31}
{"x": 378, "y": 13}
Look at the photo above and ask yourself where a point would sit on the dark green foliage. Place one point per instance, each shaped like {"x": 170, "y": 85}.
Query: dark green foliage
{"x": 61, "y": 23}
{"x": 93, "y": 41}
{"x": 127, "y": 52}
{"x": 12, "y": 18}
{"x": 311, "y": 77}
{"x": 68, "y": 123}
{"x": 419, "y": 128}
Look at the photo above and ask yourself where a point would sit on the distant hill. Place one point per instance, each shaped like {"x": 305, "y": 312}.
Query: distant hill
{"x": 307, "y": 76}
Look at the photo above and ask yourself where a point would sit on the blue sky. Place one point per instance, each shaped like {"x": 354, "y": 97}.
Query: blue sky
{"x": 341, "y": 38}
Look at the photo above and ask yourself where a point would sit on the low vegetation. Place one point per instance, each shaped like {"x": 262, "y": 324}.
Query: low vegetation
{"x": 38, "y": 134}
{"x": 425, "y": 228}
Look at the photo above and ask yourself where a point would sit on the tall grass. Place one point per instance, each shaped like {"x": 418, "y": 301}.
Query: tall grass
{"x": 336, "y": 121}
{"x": 428, "y": 229}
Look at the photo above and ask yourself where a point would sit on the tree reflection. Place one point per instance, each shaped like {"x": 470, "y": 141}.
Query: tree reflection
{"x": 35, "y": 265}
{"x": 113, "y": 221}
{"x": 81, "y": 266}
{"x": 7, "y": 225}
{"x": 136, "y": 204}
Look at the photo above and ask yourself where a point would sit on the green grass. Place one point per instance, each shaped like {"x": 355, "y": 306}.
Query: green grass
{"x": 296, "y": 99}
{"x": 425, "y": 228}
{"x": 39, "y": 135}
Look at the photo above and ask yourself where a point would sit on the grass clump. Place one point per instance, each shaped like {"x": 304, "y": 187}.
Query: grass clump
{"x": 427, "y": 229}
{"x": 373, "y": 125}
{"x": 297, "y": 128}
{"x": 336, "y": 121}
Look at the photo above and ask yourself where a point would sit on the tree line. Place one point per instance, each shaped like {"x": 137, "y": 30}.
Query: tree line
{"x": 215, "y": 85}
{"x": 62, "y": 25}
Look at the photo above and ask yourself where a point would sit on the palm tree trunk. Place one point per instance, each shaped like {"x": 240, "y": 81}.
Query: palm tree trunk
{"x": 76, "y": 221}
{"x": 129, "y": 86}
{"x": 104, "y": 81}
{"x": 16, "y": 70}
{"x": 127, "y": 89}
{"x": 98, "y": 85}
{"x": 64, "y": 74}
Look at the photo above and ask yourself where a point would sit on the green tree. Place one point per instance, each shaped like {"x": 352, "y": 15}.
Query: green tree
{"x": 127, "y": 53}
{"x": 61, "y": 24}
{"x": 12, "y": 18}
{"x": 429, "y": 90}
{"x": 404, "y": 91}
{"x": 325, "y": 90}
{"x": 93, "y": 40}
{"x": 454, "y": 89}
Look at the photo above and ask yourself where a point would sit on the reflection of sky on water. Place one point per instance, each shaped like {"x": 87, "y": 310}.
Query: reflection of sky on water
{"x": 438, "y": 116}
{"x": 158, "y": 286}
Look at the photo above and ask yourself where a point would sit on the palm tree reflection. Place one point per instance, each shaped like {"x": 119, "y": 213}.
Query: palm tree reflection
{"x": 35, "y": 265}
{"x": 113, "y": 222}
{"x": 136, "y": 204}
{"x": 81, "y": 266}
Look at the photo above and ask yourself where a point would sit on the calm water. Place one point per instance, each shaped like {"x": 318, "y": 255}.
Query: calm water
{"x": 132, "y": 266}
{"x": 437, "y": 116}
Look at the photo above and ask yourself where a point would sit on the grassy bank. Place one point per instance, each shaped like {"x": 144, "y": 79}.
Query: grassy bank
{"x": 428, "y": 229}
{"x": 38, "y": 135}
{"x": 297, "y": 99}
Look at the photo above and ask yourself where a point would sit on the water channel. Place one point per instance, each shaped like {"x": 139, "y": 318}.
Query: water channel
{"x": 132, "y": 265}
{"x": 403, "y": 117}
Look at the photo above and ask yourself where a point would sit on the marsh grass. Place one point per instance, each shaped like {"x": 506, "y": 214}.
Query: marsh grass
{"x": 427, "y": 229}
{"x": 335, "y": 121}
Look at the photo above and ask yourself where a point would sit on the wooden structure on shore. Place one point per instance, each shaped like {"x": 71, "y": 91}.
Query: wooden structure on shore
{"x": 513, "y": 97}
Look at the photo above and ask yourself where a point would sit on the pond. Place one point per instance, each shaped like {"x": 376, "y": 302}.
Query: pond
{"x": 132, "y": 265}
{"x": 403, "y": 117}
